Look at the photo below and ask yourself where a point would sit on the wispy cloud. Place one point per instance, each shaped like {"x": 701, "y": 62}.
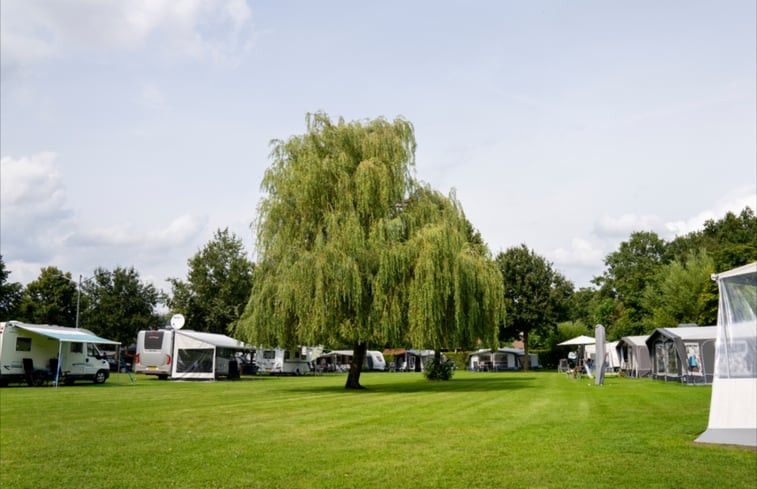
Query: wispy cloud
{"x": 39, "y": 227}
{"x": 734, "y": 202}
{"x": 34, "y": 208}
{"x": 37, "y": 30}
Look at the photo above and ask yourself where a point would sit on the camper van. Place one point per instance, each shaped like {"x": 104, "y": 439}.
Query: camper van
{"x": 35, "y": 353}
{"x": 286, "y": 362}
{"x": 186, "y": 354}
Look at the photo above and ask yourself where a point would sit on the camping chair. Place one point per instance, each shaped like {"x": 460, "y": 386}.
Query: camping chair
{"x": 33, "y": 377}
{"x": 563, "y": 367}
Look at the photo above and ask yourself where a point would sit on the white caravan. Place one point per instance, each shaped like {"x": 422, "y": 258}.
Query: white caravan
{"x": 339, "y": 361}
{"x": 284, "y": 361}
{"x": 187, "y": 355}
{"x": 36, "y": 353}
{"x": 374, "y": 360}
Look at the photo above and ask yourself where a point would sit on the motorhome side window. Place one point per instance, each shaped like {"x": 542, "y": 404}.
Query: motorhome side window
{"x": 23, "y": 344}
{"x": 92, "y": 350}
{"x": 154, "y": 340}
{"x": 76, "y": 348}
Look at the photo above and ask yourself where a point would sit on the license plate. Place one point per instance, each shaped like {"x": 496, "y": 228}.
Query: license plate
{"x": 152, "y": 367}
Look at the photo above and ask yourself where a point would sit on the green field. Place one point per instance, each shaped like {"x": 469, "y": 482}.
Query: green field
{"x": 478, "y": 430}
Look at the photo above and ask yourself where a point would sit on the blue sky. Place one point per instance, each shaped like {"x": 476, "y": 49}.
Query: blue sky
{"x": 131, "y": 131}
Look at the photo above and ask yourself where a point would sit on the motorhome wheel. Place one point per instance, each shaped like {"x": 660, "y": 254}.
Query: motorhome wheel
{"x": 100, "y": 377}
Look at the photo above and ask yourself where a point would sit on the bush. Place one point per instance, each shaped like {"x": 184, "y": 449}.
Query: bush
{"x": 438, "y": 369}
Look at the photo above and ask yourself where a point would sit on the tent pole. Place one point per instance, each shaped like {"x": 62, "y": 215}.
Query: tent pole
{"x": 57, "y": 369}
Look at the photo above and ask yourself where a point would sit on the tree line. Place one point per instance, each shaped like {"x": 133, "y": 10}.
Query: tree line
{"x": 354, "y": 251}
{"x": 117, "y": 303}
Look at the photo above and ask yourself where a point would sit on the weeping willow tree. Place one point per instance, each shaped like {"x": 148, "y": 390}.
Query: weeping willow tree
{"x": 352, "y": 250}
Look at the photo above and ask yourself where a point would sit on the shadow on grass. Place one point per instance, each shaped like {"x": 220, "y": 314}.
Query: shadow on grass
{"x": 405, "y": 386}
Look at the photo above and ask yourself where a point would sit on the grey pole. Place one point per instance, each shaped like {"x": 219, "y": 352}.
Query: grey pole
{"x": 78, "y": 297}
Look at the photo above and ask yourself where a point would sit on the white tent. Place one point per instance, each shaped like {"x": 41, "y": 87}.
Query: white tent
{"x": 733, "y": 406}
{"x": 198, "y": 355}
{"x": 612, "y": 359}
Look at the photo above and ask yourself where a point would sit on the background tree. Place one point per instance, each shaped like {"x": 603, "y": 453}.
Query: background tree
{"x": 10, "y": 294}
{"x": 49, "y": 299}
{"x": 684, "y": 292}
{"x": 536, "y": 296}
{"x": 116, "y": 305}
{"x": 342, "y": 231}
{"x": 629, "y": 270}
{"x": 218, "y": 285}
{"x": 731, "y": 241}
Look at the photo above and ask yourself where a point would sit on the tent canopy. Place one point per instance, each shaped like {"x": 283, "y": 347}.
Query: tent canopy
{"x": 578, "y": 340}
{"x": 733, "y": 405}
{"x": 64, "y": 334}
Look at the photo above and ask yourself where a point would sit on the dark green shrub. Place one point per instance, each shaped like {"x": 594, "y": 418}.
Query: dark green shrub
{"x": 438, "y": 369}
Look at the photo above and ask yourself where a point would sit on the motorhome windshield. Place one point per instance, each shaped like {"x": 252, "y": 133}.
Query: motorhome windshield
{"x": 154, "y": 340}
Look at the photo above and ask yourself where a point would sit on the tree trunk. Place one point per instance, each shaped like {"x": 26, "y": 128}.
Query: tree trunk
{"x": 526, "y": 358}
{"x": 356, "y": 366}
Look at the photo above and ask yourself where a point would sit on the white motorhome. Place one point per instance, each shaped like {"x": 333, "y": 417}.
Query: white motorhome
{"x": 187, "y": 355}
{"x": 36, "y": 353}
{"x": 296, "y": 361}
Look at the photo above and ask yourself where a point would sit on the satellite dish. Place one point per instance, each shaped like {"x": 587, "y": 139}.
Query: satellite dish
{"x": 177, "y": 321}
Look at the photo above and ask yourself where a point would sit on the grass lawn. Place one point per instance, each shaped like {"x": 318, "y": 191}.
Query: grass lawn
{"x": 478, "y": 430}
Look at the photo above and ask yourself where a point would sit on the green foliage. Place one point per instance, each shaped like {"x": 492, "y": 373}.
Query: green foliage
{"x": 536, "y": 296}
{"x": 438, "y": 369}
{"x": 354, "y": 250}
{"x": 10, "y": 294}
{"x": 49, "y": 299}
{"x": 650, "y": 283}
{"x": 549, "y": 353}
{"x": 217, "y": 287}
{"x": 730, "y": 241}
{"x": 117, "y": 304}
{"x": 631, "y": 269}
{"x": 459, "y": 357}
{"x": 684, "y": 292}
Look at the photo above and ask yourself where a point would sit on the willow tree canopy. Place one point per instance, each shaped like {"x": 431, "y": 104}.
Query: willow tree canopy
{"x": 352, "y": 249}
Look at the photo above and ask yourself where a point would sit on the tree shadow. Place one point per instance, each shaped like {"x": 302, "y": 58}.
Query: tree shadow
{"x": 485, "y": 384}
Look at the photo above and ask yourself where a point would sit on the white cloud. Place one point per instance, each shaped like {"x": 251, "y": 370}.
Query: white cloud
{"x": 33, "y": 205}
{"x": 179, "y": 232}
{"x": 35, "y": 30}
{"x": 39, "y": 228}
{"x": 734, "y": 202}
{"x": 623, "y": 226}
{"x": 581, "y": 253}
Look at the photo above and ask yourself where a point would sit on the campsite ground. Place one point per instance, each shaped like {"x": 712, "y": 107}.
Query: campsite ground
{"x": 478, "y": 430}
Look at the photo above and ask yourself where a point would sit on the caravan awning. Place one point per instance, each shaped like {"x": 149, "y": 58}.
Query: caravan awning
{"x": 217, "y": 340}
{"x": 63, "y": 334}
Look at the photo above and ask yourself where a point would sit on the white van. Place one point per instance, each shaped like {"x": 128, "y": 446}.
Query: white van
{"x": 187, "y": 355}
{"x": 35, "y": 353}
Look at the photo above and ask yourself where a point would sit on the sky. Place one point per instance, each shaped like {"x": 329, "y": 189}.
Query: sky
{"x": 130, "y": 131}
